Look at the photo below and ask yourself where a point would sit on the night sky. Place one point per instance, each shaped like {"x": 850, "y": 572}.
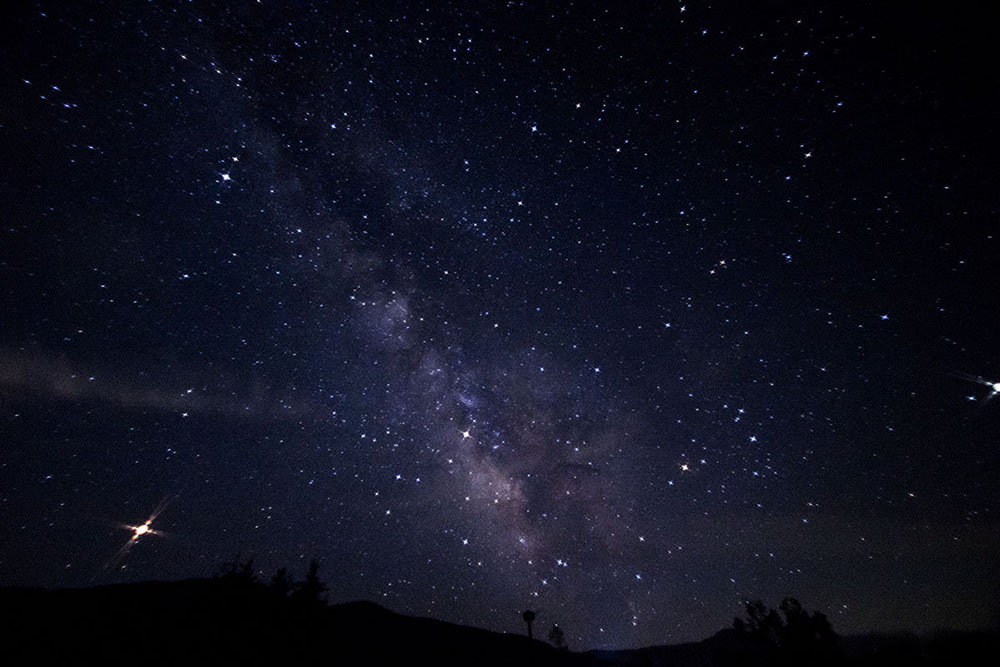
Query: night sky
{"x": 623, "y": 313}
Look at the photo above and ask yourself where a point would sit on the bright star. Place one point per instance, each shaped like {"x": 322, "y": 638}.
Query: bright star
{"x": 145, "y": 528}
{"x": 994, "y": 386}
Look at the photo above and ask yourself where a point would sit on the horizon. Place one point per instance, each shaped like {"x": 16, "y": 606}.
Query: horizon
{"x": 263, "y": 584}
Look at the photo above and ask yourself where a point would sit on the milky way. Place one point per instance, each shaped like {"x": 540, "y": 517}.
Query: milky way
{"x": 624, "y": 314}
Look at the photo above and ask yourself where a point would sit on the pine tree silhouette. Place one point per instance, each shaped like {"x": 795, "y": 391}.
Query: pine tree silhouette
{"x": 312, "y": 588}
{"x": 281, "y": 582}
{"x": 557, "y": 638}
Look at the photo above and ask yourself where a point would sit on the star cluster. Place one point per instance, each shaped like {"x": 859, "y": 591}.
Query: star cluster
{"x": 624, "y": 314}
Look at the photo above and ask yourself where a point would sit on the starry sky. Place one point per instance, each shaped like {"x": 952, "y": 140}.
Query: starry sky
{"x": 621, "y": 312}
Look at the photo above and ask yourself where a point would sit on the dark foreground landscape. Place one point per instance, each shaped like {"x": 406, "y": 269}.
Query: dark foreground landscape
{"x": 226, "y": 621}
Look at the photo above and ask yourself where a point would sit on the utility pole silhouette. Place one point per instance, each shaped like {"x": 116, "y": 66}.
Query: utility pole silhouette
{"x": 528, "y": 617}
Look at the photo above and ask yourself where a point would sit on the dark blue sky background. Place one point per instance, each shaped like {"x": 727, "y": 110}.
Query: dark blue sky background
{"x": 624, "y": 313}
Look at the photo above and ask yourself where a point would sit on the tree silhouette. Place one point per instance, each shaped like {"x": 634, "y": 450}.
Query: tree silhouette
{"x": 529, "y": 617}
{"x": 799, "y": 638}
{"x": 237, "y": 572}
{"x": 281, "y": 582}
{"x": 557, "y": 638}
{"x": 311, "y": 589}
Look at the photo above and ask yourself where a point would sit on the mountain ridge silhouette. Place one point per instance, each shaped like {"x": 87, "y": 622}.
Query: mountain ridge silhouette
{"x": 223, "y": 621}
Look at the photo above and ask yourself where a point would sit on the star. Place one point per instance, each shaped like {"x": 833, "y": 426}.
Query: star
{"x": 140, "y": 530}
{"x": 994, "y": 386}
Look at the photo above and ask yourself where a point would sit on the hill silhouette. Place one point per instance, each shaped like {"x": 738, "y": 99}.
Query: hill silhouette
{"x": 228, "y": 621}
{"x": 225, "y": 622}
